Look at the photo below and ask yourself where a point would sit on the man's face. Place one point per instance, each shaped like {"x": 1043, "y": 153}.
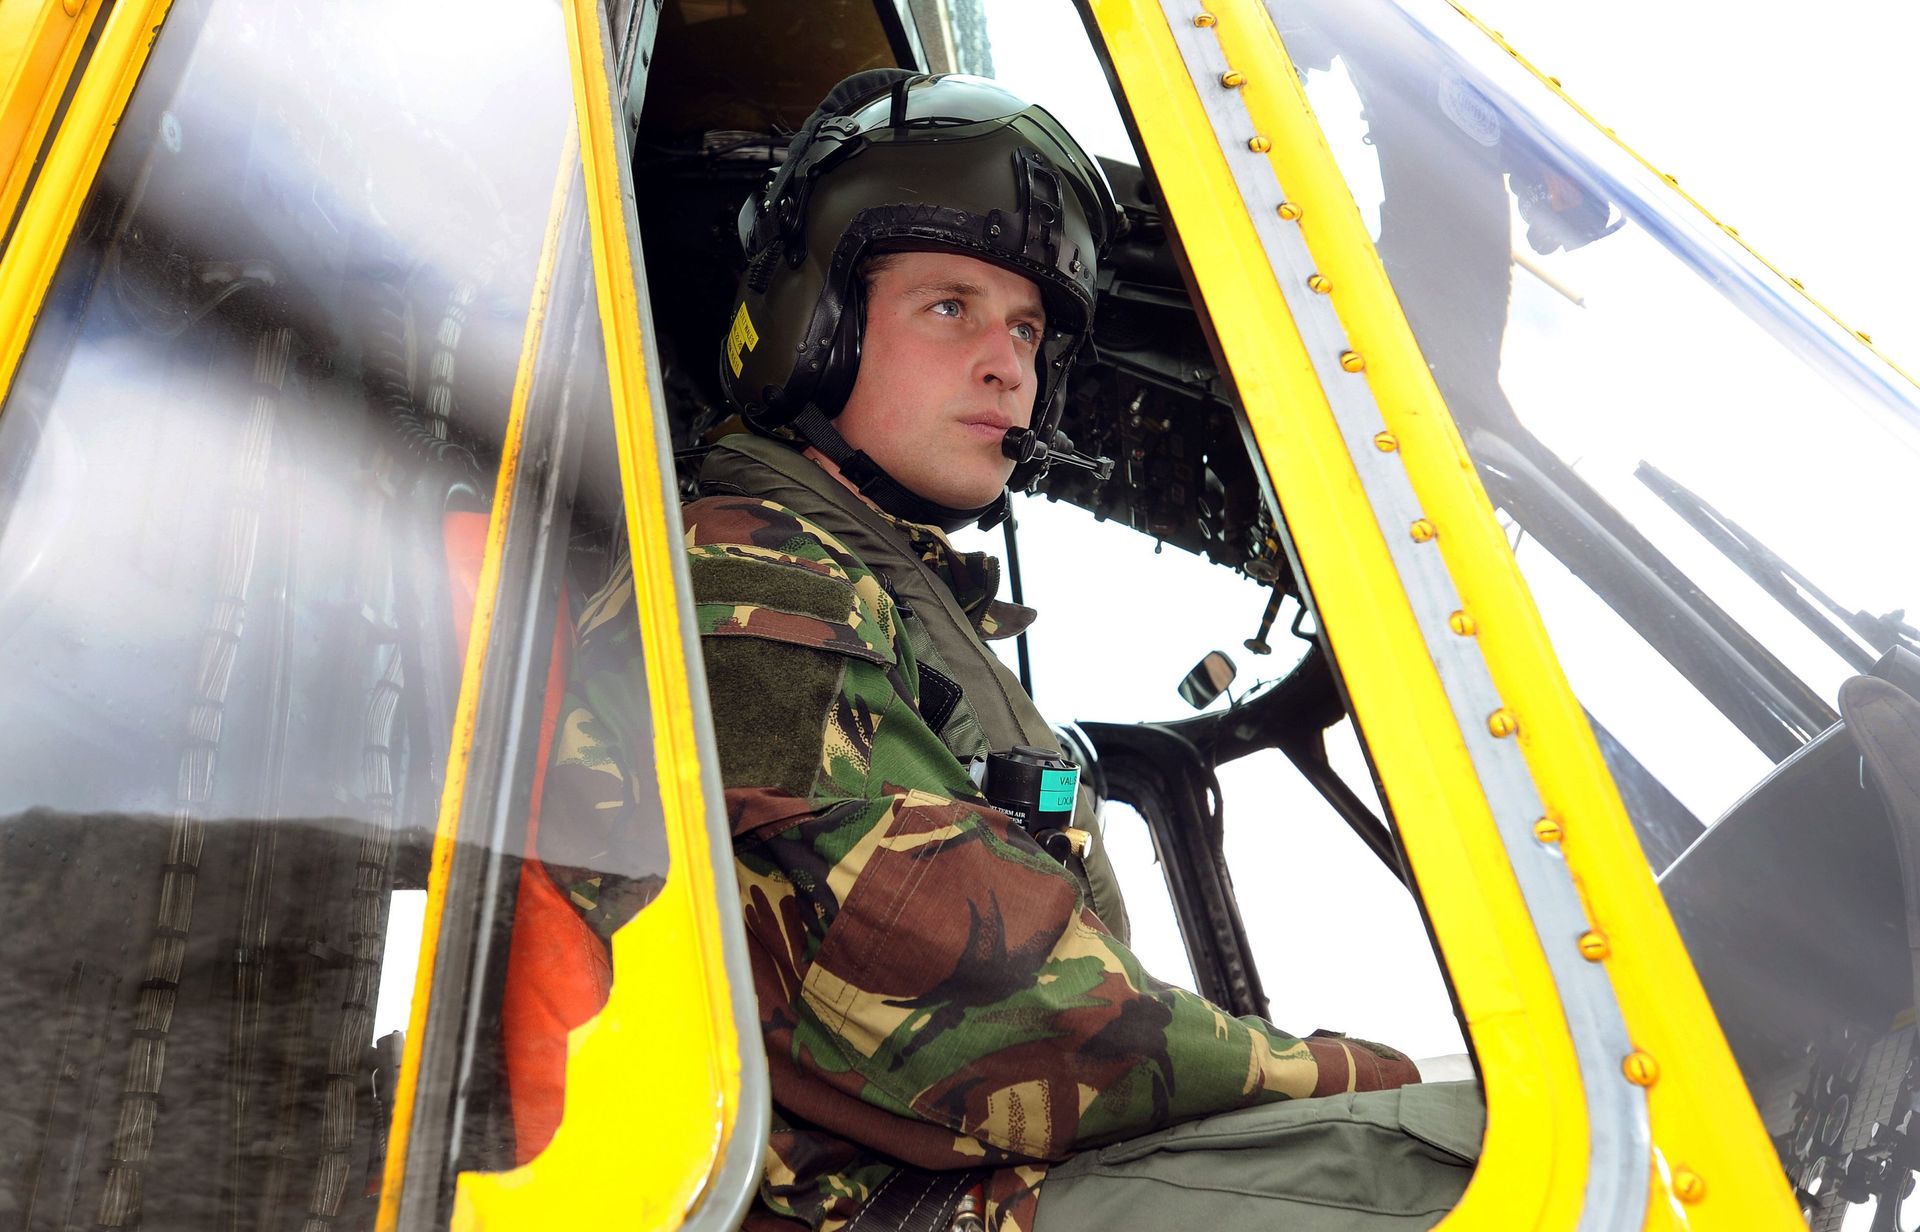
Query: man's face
{"x": 946, "y": 367}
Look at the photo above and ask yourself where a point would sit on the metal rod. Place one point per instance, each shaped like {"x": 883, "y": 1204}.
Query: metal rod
{"x": 1352, "y": 809}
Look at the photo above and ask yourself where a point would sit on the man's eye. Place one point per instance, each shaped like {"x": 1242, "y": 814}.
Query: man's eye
{"x": 1026, "y": 333}
{"x": 947, "y": 308}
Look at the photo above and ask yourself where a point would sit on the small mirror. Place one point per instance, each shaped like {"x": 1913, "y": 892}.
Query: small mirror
{"x": 1208, "y": 679}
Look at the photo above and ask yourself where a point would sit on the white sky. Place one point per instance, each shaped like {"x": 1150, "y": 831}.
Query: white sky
{"x": 1790, "y": 130}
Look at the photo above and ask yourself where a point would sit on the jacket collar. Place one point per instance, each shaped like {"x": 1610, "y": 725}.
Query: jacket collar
{"x": 742, "y": 463}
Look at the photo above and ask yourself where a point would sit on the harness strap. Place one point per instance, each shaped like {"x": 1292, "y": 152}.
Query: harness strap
{"x": 883, "y": 489}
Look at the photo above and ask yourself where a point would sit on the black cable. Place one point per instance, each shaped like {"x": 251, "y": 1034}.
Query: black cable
{"x": 1019, "y": 596}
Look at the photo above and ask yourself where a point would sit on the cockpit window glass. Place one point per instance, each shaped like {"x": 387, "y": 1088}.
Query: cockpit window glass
{"x": 1652, "y": 413}
{"x": 1706, "y": 483}
{"x": 247, "y": 467}
{"x": 1155, "y": 924}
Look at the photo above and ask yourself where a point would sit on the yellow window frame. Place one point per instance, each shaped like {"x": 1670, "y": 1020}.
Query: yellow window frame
{"x": 1707, "y": 1161}
{"x": 73, "y": 158}
{"x": 39, "y": 47}
{"x": 666, "y": 1112}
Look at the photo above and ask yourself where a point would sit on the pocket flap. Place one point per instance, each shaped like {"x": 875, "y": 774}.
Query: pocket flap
{"x": 1449, "y": 1115}
{"x": 741, "y": 596}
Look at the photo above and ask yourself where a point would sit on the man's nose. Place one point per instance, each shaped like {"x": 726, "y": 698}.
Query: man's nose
{"x": 1000, "y": 361}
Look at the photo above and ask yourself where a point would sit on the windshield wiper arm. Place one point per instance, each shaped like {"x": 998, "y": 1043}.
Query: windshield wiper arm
{"x": 1788, "y": 586}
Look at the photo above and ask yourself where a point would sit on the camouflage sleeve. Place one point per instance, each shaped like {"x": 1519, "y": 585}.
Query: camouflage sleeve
{"x": 605, "y": 851}
{"x": 931, "y": 982}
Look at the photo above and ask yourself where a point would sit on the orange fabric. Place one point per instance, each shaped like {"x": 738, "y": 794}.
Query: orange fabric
{"x": 558, "y": 972}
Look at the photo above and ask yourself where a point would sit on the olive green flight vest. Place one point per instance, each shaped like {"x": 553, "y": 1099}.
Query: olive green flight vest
{"x": 994, "y": 712}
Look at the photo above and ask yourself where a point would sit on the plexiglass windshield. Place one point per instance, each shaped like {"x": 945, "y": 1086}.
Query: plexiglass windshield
{"x": 1705, "y": 481}
{"x": 248, "y": 468}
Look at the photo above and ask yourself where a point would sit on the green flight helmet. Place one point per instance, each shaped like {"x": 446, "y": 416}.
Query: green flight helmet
{"x": 891, "y": 161}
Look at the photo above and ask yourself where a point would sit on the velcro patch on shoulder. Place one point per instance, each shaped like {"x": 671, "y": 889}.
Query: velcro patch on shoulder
{"x": 741, "y": 596}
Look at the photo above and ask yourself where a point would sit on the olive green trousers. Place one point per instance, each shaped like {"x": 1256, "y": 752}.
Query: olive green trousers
{"x": 1344, "y": 1163}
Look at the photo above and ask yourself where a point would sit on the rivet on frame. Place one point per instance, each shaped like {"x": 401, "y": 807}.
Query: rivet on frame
{"x": 1352, "y": 361}
{"x": 1548, "y": 830}
{"x": 1594, "y": 946}
{"x": 1233, "y": 79}
{"x": 1288, "y": 210}
{"x": 1502, "y": 723}
{"x": 1688, "y": 1186}
{"x": 1385, "y": 442}
{"x": 1259, "y": 145}
{"x": 1320, "y": 283}
{"x": 1463, "y": 623}
{"x": 1640, "y": 1068}
{"x": 1203, "y": 20}
{"x": 1422, "y": 531}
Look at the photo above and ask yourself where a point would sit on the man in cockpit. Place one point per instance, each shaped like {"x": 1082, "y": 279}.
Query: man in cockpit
{"x": 951, "y": 1014}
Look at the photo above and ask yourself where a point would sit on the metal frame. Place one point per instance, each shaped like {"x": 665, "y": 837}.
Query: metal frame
{"x": 903, "y": 32}
{"x": 1165, "y": 778}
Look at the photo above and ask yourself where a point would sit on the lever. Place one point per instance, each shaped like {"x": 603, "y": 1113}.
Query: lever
{"x": 1258, "y": 643}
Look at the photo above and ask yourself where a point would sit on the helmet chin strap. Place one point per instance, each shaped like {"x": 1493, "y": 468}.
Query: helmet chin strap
{"x": 883, "y": 489}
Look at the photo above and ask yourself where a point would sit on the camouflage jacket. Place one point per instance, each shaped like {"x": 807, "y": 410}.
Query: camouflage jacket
{"x": 933, "y": 988}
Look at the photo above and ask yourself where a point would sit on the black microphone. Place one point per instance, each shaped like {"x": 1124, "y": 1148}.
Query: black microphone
{"x": 1023, "y": 445}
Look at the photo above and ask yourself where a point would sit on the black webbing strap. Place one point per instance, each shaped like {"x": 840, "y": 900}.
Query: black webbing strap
{"x": 914, "y": 1200}
{"x": 883, "y": 489}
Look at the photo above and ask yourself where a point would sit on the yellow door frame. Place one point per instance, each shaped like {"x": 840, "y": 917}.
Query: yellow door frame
{"x": 39, "y": 47}
{"x": 47, "y": 217}
{"x": 666, "y": 1113}
{"x": 1612, "y": 1098}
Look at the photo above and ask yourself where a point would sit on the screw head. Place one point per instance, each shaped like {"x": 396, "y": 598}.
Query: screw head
{"x": 1640, "y": 1068}
{"x": 1385, "y": 442}
{"x": 1233, "y": 80}
{"x": 1463, "y": 624}
{"x": 1422, "y": 531}
{"x": 1689, "y": 1186}
{"x": 1352, "y": 361}
{"x": 1502, "y": 723}
{"x": 1259, "y": 145}
{"x": 1288, "y": 210}
{"x": 1594, "y": 946}
{"x": 1320, "y": 283}
{"x": 1203, "y": 20}
{"x": 1547, "y": 830}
